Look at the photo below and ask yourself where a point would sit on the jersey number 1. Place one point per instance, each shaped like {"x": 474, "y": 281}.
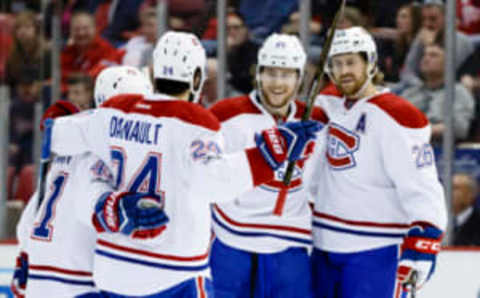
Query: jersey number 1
{"x": 43, "y": 230}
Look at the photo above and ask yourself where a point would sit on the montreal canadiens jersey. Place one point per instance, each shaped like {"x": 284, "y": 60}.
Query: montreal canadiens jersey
{"x": 271, "y": 217}
{"x": 173, "y": 148}
{"x": 377, "y": 174}
{"x": 58, "y": 238}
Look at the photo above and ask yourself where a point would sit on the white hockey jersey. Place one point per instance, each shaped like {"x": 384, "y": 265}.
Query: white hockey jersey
{"x": 58, "y": 238}
{"x": 378, "y": 175}
{"x": 271, "y": 217}
{"x": 172, "y": 148}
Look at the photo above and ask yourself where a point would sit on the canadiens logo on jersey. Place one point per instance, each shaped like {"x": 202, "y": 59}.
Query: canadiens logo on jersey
{"x": 296, "y": 174}
{"x": 341, "y": 147}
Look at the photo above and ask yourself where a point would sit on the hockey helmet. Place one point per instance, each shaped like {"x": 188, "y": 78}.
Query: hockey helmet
{"x": 354, "y": 40}
{"x": 119, "y": 80}
{"x": 178, "y": 56}
{"x": 282, "y": 50}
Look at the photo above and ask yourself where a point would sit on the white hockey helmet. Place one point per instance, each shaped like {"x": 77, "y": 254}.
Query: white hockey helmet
{"x": 282, "y": 50}
{"x": 178, "y": 56}
{"x": 354, "y": 40}
{"x": 119, "y": 80}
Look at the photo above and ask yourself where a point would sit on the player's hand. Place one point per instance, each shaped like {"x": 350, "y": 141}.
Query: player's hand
{"x": 419, "y": 253}
{"x": 19, "y": 280}
{"x": 137, "y": 215}
{"x": 287, "y": 141}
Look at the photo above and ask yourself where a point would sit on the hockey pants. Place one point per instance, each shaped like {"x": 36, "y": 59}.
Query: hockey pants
{"x": 370, "y": 273}
{"x": 241, "y": 274}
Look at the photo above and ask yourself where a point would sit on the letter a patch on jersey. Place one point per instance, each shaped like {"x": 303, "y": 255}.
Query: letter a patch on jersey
{"x": 341, "y": 146}
{"x": 361, "y": 123}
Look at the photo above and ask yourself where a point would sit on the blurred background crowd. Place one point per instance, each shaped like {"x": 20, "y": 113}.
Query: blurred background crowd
{"x": 95, "y": 34}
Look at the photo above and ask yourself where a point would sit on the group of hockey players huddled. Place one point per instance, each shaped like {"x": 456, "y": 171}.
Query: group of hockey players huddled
{"x": 151, "y": 195}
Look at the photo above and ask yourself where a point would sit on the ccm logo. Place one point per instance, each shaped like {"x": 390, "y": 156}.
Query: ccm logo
{"x": 275, "y": 142}
{"x": 425, "y": 245}
{"x": 110, "y": 215}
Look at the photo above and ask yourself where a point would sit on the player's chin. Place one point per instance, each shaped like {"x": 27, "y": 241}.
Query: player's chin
{"x": 349, "y": 89}
{"x": 278, "y": 101}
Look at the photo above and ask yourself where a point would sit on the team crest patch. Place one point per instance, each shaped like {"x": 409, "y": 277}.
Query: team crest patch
{"x": 341, "y": 146}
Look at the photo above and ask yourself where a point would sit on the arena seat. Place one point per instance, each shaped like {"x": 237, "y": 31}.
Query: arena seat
{"x": 10, "y": 181}
{"x": 26, "y": 183}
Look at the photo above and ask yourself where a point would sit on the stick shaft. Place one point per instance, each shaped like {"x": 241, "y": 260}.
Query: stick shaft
{"x": 44, "y": 160}
{"x": 317, "y": 83}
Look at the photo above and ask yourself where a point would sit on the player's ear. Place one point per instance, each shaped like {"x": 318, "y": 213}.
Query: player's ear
{"x": 197, "y": 79}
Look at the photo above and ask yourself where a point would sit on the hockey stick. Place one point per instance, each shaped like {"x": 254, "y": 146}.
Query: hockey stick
{"x": 317, "y": 83}
{"x": 44, "y": 160}
{"x": 413, "y": 283}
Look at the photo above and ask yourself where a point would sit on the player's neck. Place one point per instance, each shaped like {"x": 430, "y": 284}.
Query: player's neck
{"x": 370, "y": 90}
{"x": 182, "y": 96}
{"x": 278, "y": 112}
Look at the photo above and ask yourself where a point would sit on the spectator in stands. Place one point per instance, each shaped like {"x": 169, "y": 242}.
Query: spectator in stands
{"x": 468, "y": 16}
{"x": 139, "y": 49}
{"x": 428, "y": 95}
{"x": 467, "y": 216}
{"x": 21, "y": 119}
{"x": 433, "y": 25}
{"x": 80, "y": 91}
{"x": 380, "y": 13}
{"x": 265, "y": 17}
{"x": 29, "y": 50}
{"x": 17, "y": 6}
{"x": 122, "y": 21}
{"x": 292, "y": 27}
{"x": 101, "y": 10}
{"x": 400, "y": 38}
{"x": 241, "y": 58}
{"x": 185, "y": 15}
{"x": 85, "y": 50}
{"x": 351, "y": 17}
{"x": 241, "y": 55}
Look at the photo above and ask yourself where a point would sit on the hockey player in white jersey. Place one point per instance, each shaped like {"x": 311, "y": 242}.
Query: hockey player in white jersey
{"x": 59, "y": 239}
{"x": 263, "y": 235}
{"x": 120, "y": 80}
{"x": 24, "y": 227}
{"x": 379, "y": 209}
{"x": 170, "y": 149}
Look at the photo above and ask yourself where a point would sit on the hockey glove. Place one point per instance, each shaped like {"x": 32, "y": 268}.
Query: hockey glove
{"x": 19, "y": 281}
{"x": 58, "y": 109}
{"x": 287, "y": 141}
{"x": 137, "y": 215}
{"x": 419, "y": 253}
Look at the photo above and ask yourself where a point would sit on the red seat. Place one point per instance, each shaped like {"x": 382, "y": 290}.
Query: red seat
{"x": 10, "y": 181}
{"x": 26, "y": 183}
{"x": 6, "y": 31}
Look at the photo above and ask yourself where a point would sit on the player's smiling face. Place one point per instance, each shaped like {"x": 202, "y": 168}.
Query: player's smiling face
{"x": 349, "y": 72}
{"x": 279, "y": 85}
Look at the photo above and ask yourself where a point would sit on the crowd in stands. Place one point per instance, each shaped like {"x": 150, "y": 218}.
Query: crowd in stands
{"x": 100, "y": 33}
